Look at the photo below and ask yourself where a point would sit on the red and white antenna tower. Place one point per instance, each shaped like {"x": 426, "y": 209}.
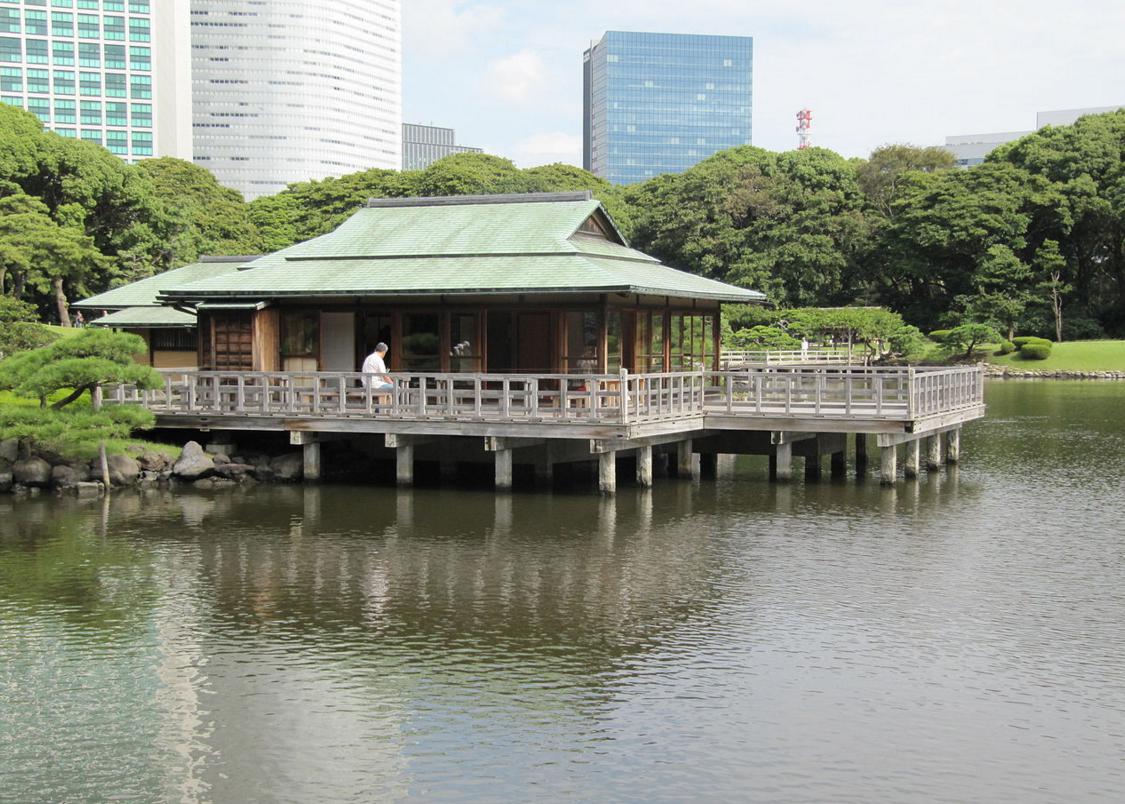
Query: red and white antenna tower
{"x": 804, "y": 129}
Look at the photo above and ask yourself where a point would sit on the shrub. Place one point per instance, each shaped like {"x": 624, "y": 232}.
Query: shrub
{"x": 764, "y": 338}
{"x": 1023, "y": 340}
{"x": 940, "y": 335}
{"x": 1082, "y": 329}
{"x": 1006, "y": 348}
{"x": 1036, "y": 351}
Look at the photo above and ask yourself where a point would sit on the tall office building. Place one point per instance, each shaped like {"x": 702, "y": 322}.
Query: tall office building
{"x": 292, "y": 90}
{"x": 106, "y": 71}
{"x": 424, "y": 145}
{"x": 659, "y": 103}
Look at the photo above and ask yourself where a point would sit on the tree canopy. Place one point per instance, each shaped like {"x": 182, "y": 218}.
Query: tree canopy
{"x": 1032, "y": 241}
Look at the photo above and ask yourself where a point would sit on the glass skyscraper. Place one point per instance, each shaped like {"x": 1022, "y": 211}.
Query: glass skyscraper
{"x": 113, "y": 72}
{"x": 659, "y": 103}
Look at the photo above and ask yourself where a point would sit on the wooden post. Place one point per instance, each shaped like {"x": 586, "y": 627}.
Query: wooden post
{"x": 503, "y": 469}
{"x": 782, "y": 465}
{"x": 607, "y": 472}
{"x": 644, "y": 467}
{"x": 913, "y": 459}
{"x": 933, "y": 452}
{"x": 312, "y": 460}
{"x": 953, "y": 446}
{"x": 685, "y": 465}
{"x": 839, "y": 465}
{"x": 861, "y": 450}
{"x": 889, "y": 473}
{"x": 404, "y": 465}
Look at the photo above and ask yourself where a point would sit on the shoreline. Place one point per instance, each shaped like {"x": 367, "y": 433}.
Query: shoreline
{"x": 994, "y": 372}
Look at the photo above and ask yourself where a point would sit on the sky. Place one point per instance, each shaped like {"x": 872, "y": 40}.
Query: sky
{"x": 507, "y": 74}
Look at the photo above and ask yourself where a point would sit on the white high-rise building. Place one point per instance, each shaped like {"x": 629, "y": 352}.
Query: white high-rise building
{"x": 114, "y": 72}
{"x": 292, "y": 90}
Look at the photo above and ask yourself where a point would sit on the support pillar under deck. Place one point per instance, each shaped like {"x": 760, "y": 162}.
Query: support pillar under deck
{"x": 953, "y": 446}
{"x": 685, "y": 463}
{"x": 889, "y": 466}
{"x": 933, "y": 452}
{"x": 644, "y": 467}
{"x": 311, "y": 454}
{"x": 607, "y": 472}
{"x": 913, "y": 459}
{"x": 503, "y": 469}
{"x": 404, "y": 465}
{"x": 781, "y": 463}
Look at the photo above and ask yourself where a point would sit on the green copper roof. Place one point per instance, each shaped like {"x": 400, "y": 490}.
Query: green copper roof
{"x": 499, "y": 245}
{"x": 145, "y": 318}
{"x": 144, "y": 292}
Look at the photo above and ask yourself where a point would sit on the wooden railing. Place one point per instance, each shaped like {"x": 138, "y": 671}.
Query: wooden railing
{"x": 620, "y": 399}
{"x": 853, "y": 391}
{"x": 737, "y": 358}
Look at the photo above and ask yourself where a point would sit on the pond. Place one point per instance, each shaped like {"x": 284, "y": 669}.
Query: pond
{"x": 957, "y": 638}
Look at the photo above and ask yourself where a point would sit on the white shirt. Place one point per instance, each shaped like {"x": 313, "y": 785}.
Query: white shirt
{"x": 374, "y": 365}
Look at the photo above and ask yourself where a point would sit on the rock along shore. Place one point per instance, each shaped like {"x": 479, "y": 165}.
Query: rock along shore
{"x": 28, "y": 470}
{"x": 1009, "y": 373}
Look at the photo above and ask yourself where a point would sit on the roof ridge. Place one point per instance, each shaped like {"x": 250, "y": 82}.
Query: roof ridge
{"x": 481, "y": 200}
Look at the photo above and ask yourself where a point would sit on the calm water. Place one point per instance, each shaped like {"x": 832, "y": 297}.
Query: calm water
{"x": 961, "y": 638}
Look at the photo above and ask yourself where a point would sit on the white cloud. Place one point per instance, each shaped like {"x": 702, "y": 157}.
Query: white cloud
{"x": 548, "y": 147}
{"x": 443, "y": 27}
{"x": 517, "y": 78}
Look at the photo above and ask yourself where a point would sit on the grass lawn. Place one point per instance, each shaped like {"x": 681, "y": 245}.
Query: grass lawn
{"x": 1072, "y": 356}
{"x": 113, "y": 445}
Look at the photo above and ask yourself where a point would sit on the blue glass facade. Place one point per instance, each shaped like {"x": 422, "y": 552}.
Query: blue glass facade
{"x": 660, "y": 103}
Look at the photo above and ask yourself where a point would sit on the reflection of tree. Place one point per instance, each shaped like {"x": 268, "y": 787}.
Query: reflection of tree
{"x": 55, "y": 561}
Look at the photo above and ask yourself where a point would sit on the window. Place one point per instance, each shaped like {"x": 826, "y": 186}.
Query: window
{"x": 115, "y": 57}
{"x": 10, "y": 49}
{"x": 90, "y": 83}
{"x": 421, "y": 342}
{"x": 174, "y": 340}
{"x": 63, "y": 54}
{"x": 64, "y": 82}
{"x": 300, "y": 335}
{"x": 582, "y": 334}
{"x": 11, "y": 79}
{"x": 38, "y": 81}
{"x": 464, "y": 346}
{"x": 36, "y": 51}
{"x": 614, "y": 342}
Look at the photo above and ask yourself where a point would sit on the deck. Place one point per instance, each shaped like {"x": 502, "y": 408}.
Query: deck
{"x": 566, "y": 406}
{"x": 549, "y": 419}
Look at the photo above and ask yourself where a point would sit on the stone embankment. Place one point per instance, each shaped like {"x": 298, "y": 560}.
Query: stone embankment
{"x": 1009, "y": 373}
{"x": 27, "y": 470}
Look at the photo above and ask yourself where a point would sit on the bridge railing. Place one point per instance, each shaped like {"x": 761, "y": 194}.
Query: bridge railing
{"x": 742, "y": 358}
{"x": 826, "y": 391}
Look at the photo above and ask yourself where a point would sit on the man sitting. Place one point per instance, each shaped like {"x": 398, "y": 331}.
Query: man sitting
{"x": 377, "y": 379}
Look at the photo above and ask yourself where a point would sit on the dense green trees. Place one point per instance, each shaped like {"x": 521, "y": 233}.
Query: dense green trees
{"x": 1032, "y": 241}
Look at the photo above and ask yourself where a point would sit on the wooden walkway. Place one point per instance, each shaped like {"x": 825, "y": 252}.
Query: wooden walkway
{"x": 605, "y": 413}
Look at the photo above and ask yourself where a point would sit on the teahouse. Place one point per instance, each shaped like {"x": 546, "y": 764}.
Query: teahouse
{"x": 531, "y": 283}
{"x": 171, "y": 335}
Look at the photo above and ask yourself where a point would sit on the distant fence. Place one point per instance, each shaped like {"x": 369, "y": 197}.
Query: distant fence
{"x": 736, "y": 358}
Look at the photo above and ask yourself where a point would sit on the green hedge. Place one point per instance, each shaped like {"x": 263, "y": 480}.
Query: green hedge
{"x": 940, "y": 335}
{"x": 1024, "y": 340}
{"x": 1036, "y": 351}
{"x": 1006, "y": 348}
